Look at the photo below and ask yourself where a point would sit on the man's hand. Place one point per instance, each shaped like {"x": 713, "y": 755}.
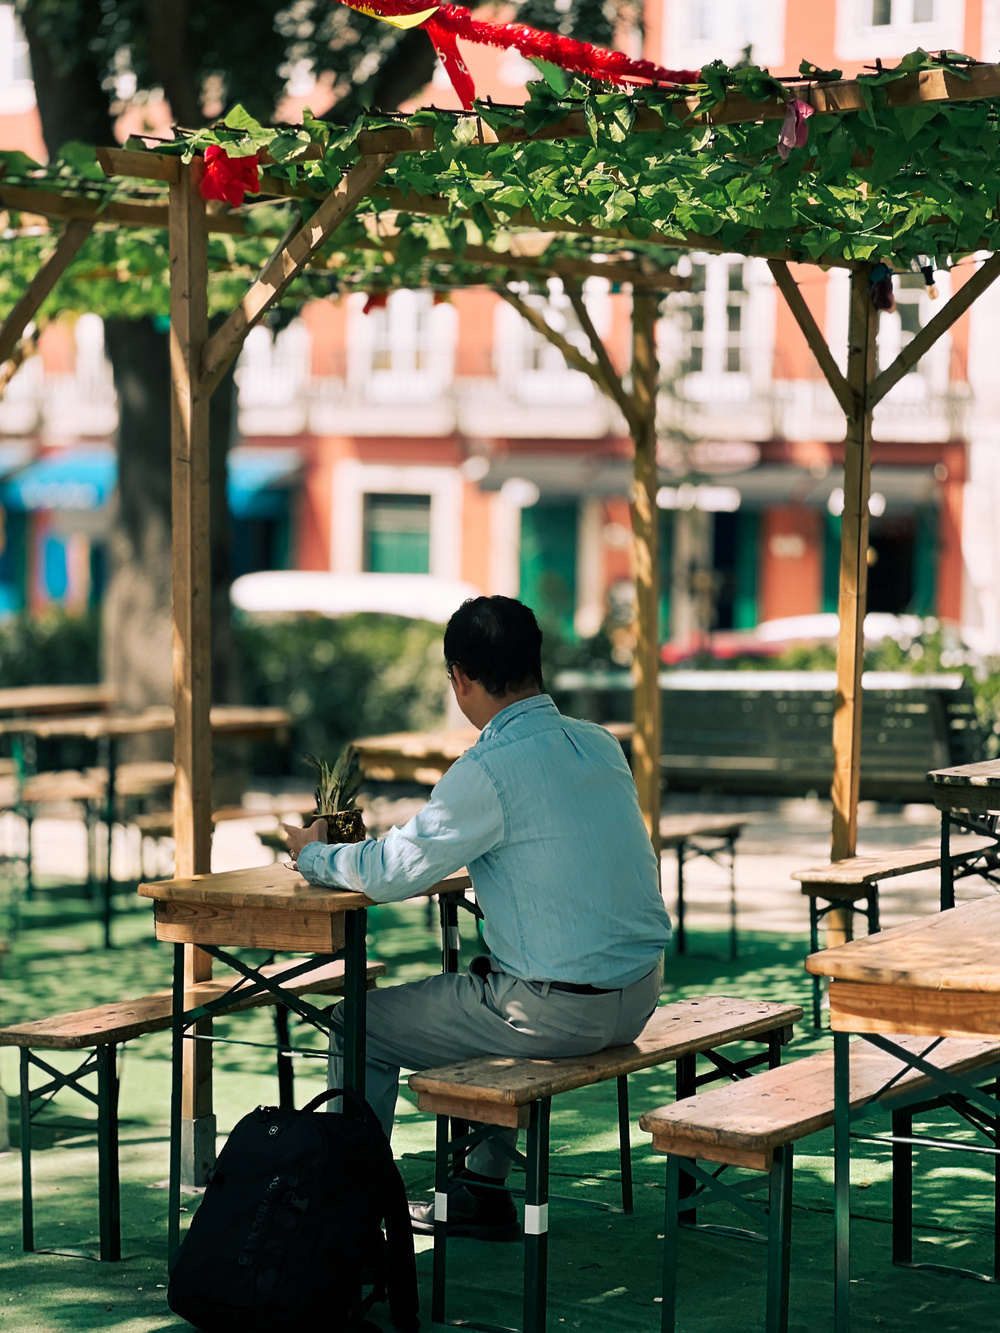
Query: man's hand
{"x": 299, "y": 837}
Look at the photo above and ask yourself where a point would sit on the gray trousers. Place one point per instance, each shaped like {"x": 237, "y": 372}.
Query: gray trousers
{"x": 460, "y": 1015}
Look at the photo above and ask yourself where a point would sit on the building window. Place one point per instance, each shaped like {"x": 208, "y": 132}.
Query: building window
{"x": 17, "y": 92}
{"x": 403, "y": 351}
{"x": 895, "y": 330}
{"x": 891, "y": 28}
{"x": 527, "y": 364}
{"x": 397, "y": 534}
{"x": 716, "y": 317}
{"x": 704, "y": 30}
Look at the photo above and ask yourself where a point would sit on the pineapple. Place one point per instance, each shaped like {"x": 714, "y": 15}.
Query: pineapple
{"x": 335, "y": 794}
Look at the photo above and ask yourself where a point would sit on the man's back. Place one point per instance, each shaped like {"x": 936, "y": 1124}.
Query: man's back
{"x": 570, "y": 889}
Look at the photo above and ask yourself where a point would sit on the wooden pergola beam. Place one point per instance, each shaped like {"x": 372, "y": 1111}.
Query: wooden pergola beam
{"x": 925, "y": 338}
{"x": 72, "y": 238}
{"x": 48, "y": 204}
{"x": 834, "y": 98}
{"x": 811, "y": 332}
{"x": 286, "y": 265}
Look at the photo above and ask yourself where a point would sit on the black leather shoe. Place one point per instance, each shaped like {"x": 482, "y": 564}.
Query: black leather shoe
{"x": 491, "y": 1215}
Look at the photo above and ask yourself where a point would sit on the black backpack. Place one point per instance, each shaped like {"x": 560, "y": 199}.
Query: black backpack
{"x": 289, "y": 1230}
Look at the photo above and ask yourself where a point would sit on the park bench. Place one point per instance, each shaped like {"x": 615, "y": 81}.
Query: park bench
{"x": 754, "y": 1125}
{"x": 771, "y": 732}
{"x": 101, "y": 1030}
{"x": 500, "y": 1091}
{"x": 713, "y": 836}
{"x": 841, "y": 885}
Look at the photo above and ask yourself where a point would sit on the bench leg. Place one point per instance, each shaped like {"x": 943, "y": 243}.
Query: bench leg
{"x": 536, "y": 1217}
{"x": 625, "y": 1143}
{"x": 286, "y": 1074}
{"x": 733, "y": 944}
{"x": 779, "y": 1239}
{"x": 947, "y": 869}
{"x": 681, "y": 943}
{"x": 685, "y": 1072}
{"x": 873, "y": 921}
{"x": 902, "y": 1189}
{"x": 441, "y": 1176}
{"x": 27, "y": 1209}
{"x": 817, "y": 983}
{"x": 108, "y": 1189}
{"x": 671, "y": 1221}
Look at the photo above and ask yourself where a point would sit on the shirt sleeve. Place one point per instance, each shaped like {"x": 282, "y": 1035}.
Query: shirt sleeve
{"x": 463, "y": 820}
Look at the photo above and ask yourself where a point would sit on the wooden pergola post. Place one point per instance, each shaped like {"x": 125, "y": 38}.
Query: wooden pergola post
{"x": 192, "y": 590}
{"x": 862, "y": 335}
{"x": 646, "y": 742}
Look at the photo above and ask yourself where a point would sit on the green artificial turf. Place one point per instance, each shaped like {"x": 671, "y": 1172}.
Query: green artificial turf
{"x": 604, "y": 1267}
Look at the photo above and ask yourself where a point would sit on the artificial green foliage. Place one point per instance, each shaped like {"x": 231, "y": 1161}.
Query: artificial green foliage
{"x": 876, "y": 184}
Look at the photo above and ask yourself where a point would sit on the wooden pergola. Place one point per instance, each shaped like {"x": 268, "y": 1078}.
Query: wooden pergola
{"x": 199, "y": 359}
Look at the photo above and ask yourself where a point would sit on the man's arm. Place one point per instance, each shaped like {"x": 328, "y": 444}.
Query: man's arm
{"x": 463, "y": 820}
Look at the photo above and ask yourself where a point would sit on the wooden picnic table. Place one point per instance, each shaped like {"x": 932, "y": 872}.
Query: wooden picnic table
{"x": 269, "y": 907}
{"x": 234, "y": 722}
{"x": 425, "y": 756}
{"x": 968, "y": 797}
{"x": 937, "y": 976}
{"x": 23, "y": 701}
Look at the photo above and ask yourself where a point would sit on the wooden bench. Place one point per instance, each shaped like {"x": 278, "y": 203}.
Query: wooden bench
{"x": 713, "y": 836}
{"x": 841, "y": 885}
{"x": 496, "y": 1090}
{"x": 101, "y": 1030}
{"x": 754, "y": 1125}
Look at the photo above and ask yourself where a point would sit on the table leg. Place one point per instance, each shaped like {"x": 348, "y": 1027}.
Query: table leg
{"x": 111, "y": 757}
{"x": 680, "y": 897}
{"x": 947, "y": 870}
{"x": 355, "y": 999}
{"x": 176, "y": 1095}
{"x": 842, "y": 1182}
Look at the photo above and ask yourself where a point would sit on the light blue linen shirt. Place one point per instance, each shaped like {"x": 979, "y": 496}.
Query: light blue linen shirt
{"x": 543, "y": 811}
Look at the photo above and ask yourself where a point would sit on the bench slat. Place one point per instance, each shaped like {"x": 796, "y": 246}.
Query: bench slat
{"x": 123, "y": 1020}
{"x": 674, "y": 1030}
{"x": 779, "y": 1106}
{"x": 860, "y": 871}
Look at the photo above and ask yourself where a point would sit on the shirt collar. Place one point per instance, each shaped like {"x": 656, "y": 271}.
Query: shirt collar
{"x": 496, "y": 724}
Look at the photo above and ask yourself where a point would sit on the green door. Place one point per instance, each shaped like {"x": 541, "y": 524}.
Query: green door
{"x": 548, "y": 564}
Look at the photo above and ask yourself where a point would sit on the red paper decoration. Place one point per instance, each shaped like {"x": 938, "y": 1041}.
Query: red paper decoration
{"x": 450, "y": 22}
{"x": 229, "y": 178}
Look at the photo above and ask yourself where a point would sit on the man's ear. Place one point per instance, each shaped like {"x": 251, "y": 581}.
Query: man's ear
{"x": 463, "y": 682}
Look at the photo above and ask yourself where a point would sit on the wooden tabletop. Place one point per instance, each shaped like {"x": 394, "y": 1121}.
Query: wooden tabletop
{"x": 985, "y": 774}
{"x": 957, "y": 950}
{"x": 226, "y": 720}
{"x": 450, "y": 745}
{"x": 56, "y": 698}
{"x": 275, "y": 887}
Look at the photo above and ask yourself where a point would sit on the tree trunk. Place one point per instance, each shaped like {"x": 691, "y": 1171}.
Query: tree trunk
{"x": 137, "y": 636}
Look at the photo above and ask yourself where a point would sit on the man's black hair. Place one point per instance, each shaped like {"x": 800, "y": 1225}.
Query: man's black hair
{"x": 496, "y": 641}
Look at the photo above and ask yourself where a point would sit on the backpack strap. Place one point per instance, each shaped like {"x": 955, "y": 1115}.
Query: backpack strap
{"x": 358, "y": 1104}
{"x": 401, "y": 1279}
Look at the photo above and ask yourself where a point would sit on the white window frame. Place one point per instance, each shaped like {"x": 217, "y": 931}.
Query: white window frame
{"x": 275, "y": 371}
{"x": 715, "y": 382}
{"x": 17, "y": 91}
{"x": 857, "y": 38}
{"x": 415, "y": 328}
{"x": 528, "y": 367}
{"x": 932, "y": 374}
{"x": 353, "y": 480}
{"x": 697, "y": 32}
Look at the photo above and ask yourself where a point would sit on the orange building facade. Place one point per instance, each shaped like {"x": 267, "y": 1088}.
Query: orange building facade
{"x": 445, "y": 438}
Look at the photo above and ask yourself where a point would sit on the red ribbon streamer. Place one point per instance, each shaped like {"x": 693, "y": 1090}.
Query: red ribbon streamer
{"x": 451, "y": 22}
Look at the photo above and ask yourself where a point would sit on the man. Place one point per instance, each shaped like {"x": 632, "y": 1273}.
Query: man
{"x": 543, "y": 811}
